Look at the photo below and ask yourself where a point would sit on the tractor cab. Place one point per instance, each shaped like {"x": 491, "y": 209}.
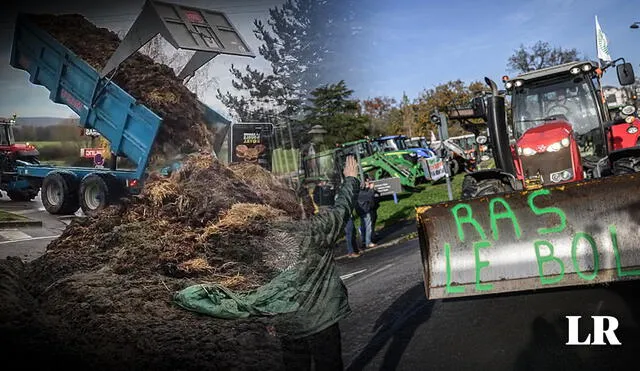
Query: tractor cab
{"x": 361, "y": 148}
{"x": 416, "y": 142}
{"x": 390, "y": 143}
{"x": 393, "y": 147}
{"x": 322, "y": 176}
{"x": 560, "y": 124}
{"x": 8, "y": 146}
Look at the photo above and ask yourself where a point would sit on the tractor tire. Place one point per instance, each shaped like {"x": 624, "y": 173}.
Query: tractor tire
{"x": 59, "y": 193}
{"x": 22, "y": 196}
{"x": 627, "y": 165}
{"x": 454, "y": 167}
{"x": 99, "y": 191}
{"x": 472, "y": 188}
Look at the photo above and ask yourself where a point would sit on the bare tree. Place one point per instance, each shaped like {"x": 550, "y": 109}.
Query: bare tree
{"x": 540, "y": 55}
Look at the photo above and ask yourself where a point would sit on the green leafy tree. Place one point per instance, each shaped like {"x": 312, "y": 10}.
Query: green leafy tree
{"x": 332, "y": 108}
{"x": 540, "y": 55}
{"x": 378, "y": 110}
{"x": 444, "y": 97}
{"x": 408, "y": 115}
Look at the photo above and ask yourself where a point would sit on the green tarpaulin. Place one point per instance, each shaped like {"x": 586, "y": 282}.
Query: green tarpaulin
{"x": 308, "y": 295}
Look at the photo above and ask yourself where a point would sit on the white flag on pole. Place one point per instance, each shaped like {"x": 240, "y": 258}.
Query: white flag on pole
{"x": 602, "y": 43}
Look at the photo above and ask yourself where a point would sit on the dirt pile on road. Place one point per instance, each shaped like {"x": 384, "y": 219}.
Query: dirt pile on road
{"x": 155, "y": 85}
{"x": 103, "y": 289}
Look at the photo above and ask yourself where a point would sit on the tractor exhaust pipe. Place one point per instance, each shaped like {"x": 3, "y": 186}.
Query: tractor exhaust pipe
{"x": 497, "y": 126}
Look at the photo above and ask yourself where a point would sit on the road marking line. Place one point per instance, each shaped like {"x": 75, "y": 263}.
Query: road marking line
{"x": 30, "y": 239}
{"x": 344, "y": 277}
{"x": 13, "y": 234}
{"x": 381, "y": 269}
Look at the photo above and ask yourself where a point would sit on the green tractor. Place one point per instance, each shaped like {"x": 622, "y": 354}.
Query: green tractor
{"x": 322, "y": 171}
{"x": 322, "y": 175}
{"x": 377, "y": 165}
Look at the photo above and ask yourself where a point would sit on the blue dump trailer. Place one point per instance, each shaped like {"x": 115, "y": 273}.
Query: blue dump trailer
{"x": 130, "y": 127}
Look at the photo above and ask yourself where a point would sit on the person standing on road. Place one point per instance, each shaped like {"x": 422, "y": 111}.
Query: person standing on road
{"x": 307, "y": 298}
{"x": 350, "y": 231}
{"x": 366, "y": 200}
{"x": 311, "y": 334}
{"x": 374, "y": 210}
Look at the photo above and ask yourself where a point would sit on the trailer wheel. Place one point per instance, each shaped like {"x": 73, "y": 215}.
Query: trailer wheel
{"x": 98, "y": 191}
{"x": 474, "y": 188}
{"x": 59, "y": 193}
{"x": 627, "y": 165}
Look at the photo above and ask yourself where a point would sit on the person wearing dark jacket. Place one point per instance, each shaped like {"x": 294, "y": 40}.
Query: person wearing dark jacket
{"x": 364, "y": 207}
{"x": 311, "y": 334}
{"x": 374, "y": 211}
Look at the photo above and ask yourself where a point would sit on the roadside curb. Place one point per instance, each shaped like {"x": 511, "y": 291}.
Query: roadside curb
{"x": 397, "y": 241}
{"x": 20, "y": 223}
{"x": 70, "y": 217}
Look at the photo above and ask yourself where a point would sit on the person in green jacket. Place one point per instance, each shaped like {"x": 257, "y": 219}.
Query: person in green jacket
{"x": 311, "y": 334}
{"x": 307, "y": 298}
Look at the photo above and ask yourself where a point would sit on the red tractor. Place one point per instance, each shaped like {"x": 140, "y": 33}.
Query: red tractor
{"x": 560, "y": 131}
{"x": 11, "y": 154}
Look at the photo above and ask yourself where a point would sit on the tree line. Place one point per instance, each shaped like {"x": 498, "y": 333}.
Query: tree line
{"x": 66, "y": 130}
{"x": 301, "y": 41}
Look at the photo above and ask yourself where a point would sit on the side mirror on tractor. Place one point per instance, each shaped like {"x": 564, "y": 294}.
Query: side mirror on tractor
{"x": 625, "y": 74}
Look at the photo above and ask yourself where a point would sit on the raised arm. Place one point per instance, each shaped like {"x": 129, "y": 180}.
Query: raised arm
{"x": 327, "y": 226}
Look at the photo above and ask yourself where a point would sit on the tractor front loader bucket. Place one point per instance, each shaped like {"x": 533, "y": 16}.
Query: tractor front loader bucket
{"x": 575, "y": 234}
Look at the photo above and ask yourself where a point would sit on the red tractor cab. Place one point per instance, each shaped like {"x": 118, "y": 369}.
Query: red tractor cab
{"x": 12, "y": 154}
{"x": 8, "y": 147}
{"x": 561, "y": 131}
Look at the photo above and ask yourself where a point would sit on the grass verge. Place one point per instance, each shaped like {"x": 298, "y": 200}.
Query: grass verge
{"x": 6, "y": 216}
{"x": 390, "y": 212}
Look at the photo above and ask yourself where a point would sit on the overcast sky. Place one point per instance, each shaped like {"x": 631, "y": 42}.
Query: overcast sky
{"x": 402, "y": 45}
{"x": 25, "y": 99}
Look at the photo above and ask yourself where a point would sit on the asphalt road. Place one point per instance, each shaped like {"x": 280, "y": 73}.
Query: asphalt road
{"x": 29, "y": 242}
{"x": 394, "y": 327}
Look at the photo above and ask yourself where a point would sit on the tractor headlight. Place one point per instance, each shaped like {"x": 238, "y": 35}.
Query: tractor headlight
{"x": 519, "y": 83}
{"x": 632, "y": 129}
{"x": 560, "y": 176}
{"x": 586, "y": 67}
{"x": 554, "y": 147}
{"x": 509, "y": 85}
{"x": 575, "y": 70}
{"x": 526, "y": 151}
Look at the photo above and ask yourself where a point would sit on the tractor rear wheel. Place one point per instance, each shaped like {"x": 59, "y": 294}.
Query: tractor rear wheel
{"x": 454, "y": 167}
{"x": 627, "y": 165}
{"x": 59, "y": 193}
{"x": 485, "y": 187}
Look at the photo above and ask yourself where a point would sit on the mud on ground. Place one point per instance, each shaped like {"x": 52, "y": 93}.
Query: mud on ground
{"x": 100, "y": 297}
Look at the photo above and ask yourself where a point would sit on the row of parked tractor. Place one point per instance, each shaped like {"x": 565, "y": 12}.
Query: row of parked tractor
{"x": 413, "y": 160}
{"x": 560, "y": 131}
